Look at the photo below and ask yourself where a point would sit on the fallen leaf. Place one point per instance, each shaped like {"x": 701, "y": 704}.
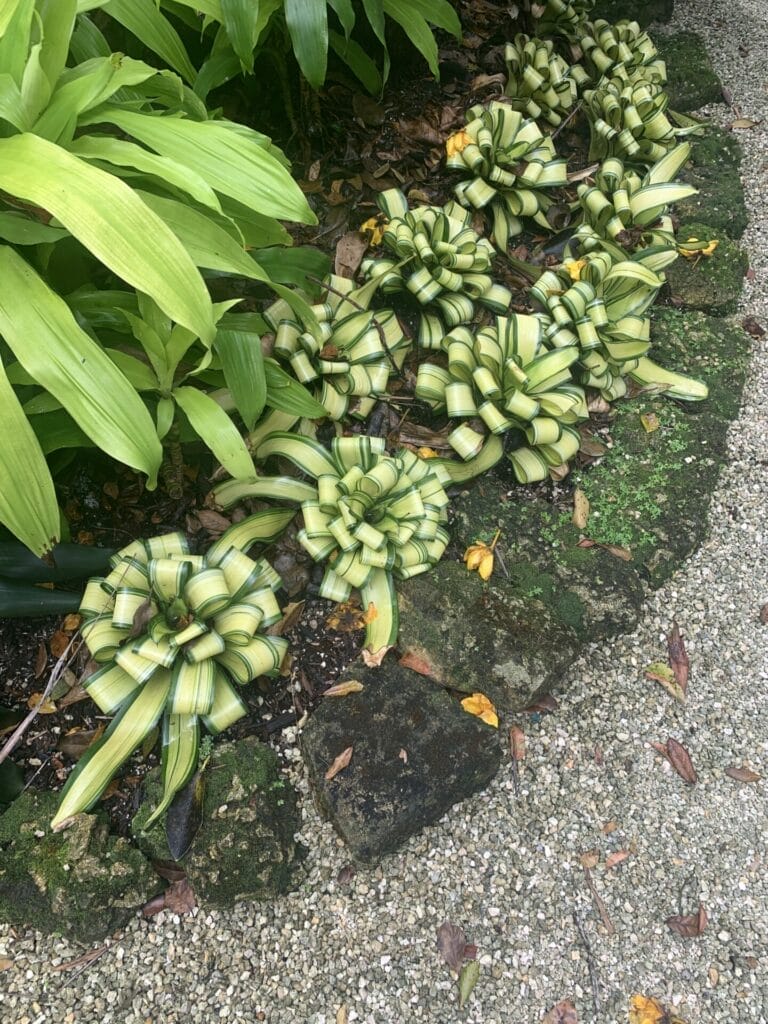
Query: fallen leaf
{"x": 451, "y": 943}
{"x": 689, "y": 926}
{"x": 373, "y": 229}
{"x": 71, "y": 622}
{"x": 342, "y": 1014}
{"x": 764, "y": 614}
{"x": 546, "y": 705}
{"x": 111, "y": 489}
{"x": 589, "y": 859}
{"x": 348, "y": 617}
{"x": 340, "y": 762}
{"x": 346, "y": 874}
{"x": 744, "y": 123}
{"x": 479, "y": 557}
{"x": 751, "y": 326}
{"x": 580, "y": 515}
{"x": 614, "y": 549}
{"x": 645, "y": 1010}
{"x": 58, "y": 643}
{"x": 650, "y": 422}
{"x": 742, "y": 774}
{"x": 5, "y": 964}
{"x": 403, "y": 755}
{"x": 350, "y": 250}
{"x": 344, "y": 689}
{"x": 373, "y": 659}
{"x": 678, "y": 657}
{"x": 479, "y": 705}
{"x": 367, "y": 109}
{"x": 44, "y": 707}
{"x": 418, "y": 663}
{"x": 680, "y": 760}
{"x": 213, "y": 522}
{"x": 291, "y": 615}
{"x": 663, "y": 674}
{"x": 41, "y": 660}
{"x": 563, "y": 1013}
{"x": 75, "y": 742}
{"x": 616, "y": 858}
{"x": 517, "y": 742}
{"x": 179, "y": 898}
{"x": 470, "y": 972}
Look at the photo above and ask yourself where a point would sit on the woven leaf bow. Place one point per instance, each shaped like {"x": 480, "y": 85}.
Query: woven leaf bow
{"x": 350, "y": 358}
{"x": 621, "y": 48}
{"x": 563, "y": 17}
{"x": 506, "y": 376}
{"x": 372, "y": 517}
{"x": 540, "y": 83}
{"x": 513, "y": 165}
{"x": 440, "y": 260}
{"x": 173, "y": 632}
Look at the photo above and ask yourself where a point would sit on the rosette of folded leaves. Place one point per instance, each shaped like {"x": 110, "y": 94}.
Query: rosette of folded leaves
{"x": 628, "y": 119}
{"x": 512, "y": 166}
{"x": 373, "y": 518}
{"x": 540, "y": 82}
{"x": 631, "y": 210}
{"x": 601, "y": 306}
{"x": 618, "y": 50}
{"x": 349, "y": 359}
{"x": 440, "y": 259}
{"x": 506, "y": 376}
{"x": 174, "y": 634}
{"x": 562, "y": 17}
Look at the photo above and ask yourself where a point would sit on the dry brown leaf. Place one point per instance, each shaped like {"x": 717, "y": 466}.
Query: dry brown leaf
{"x": 483, "y": 81}
{"x": 580, "y": 509}
{"x": 350, "y": 250}
{"x": 291, "y": 615}
{"x": 613, "y": 549}
{"x": 546, "y": 705}
{"x": 452, "y": 944}
{"x": 517, "y": 742}
{"x": 590, "y": 859}
{"x": 418, "y": 663}
{"x": 752, "y": 327}
{"x": 212, "y": 521}
{"x": 179, "y": 898}
{"x": 563, "y": 1013}
{"x": 373, "y": 659}
{"x": 344, "y": 689}
{"x": 678, "y": 657}
{"x": 741, "y": 774}
{"x": 608, "y": 827}
{"x": 75, "y": 742}
{"x": 342, "y": 1014}
{"x": 680, "y": 760}
{"x": 340, "y": 762}
{"x": 346, "y": 874}
{"x": 689, "y": 926}
{"x": 348, "y": 617}
{"x": 59, "y": 643}
{"x": 764, "y": 614}
{"x": 616, "y": 858}
{"x": 71, "y": 622}
{"x": 367, "y": 109}
{"x": 41, "y": 660}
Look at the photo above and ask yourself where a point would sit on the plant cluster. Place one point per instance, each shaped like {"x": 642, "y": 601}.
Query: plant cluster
{"x": 110, "y": 336}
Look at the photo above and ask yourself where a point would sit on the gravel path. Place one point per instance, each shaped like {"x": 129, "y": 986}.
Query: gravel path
{"x": 507, "y": 868}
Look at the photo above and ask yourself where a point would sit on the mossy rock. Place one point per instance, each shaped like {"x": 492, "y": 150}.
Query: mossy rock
{"x": 712, "y": 284}
{"x": 714, "y": 171}
{"x": 487, "y": 637}
{"x": 83, "y": 883}
{"x": 245, "y": 848}
{"x": 642, "y": 11}
{"x": 691, "y": 80}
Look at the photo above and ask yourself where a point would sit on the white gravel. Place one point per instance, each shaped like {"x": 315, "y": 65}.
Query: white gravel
{"x": 507, "y": 869}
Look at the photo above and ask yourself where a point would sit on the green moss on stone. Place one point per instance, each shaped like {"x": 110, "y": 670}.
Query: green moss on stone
{"x": 245, "y": 848}
{"x": 692, "y": 82}
{"x": 83, "y": 882}
{"x": 714, "y": 171}
{"x": 713, "y": 283}
{"x": 642, "y": 11}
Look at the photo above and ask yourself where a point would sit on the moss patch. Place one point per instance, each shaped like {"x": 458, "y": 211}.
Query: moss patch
{"x": 642, "y": 11}
{"x": 692, "y": 82}
{"x": 82, "y": 882}
{"x": 713, "y": 283}
{"x": 714, "y": 171}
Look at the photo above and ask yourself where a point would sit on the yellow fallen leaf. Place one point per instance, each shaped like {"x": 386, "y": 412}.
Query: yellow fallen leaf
{"x": 457, "y": 143}
{"x": 695, "y": 247}
{"x": 479, "y": 557}
{"x": 427, "y": 453}
{"x": 645, "y": 1010}
{"x": 373, "y": 227}
{"x": 44, "y": 707}
{"x": 479, "y": 705}
{"x": 342, "y": 689}
{"x": 574, "y": 268}
{"x": 580, "y": 509}
{"x": 650, "y": 422}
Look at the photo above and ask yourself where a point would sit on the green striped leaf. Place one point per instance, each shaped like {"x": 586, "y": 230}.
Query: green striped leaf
{"x": 181, "y": 742}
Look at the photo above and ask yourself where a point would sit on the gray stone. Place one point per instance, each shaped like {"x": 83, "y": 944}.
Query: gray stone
{"x": 83, "y": 883}
{"x": 712, "y": 284}
{"x": 691, "y": 80}
{"x": 642, "y": 11}
{"x": 415, "y": 753}
{"x": 714, "y": 171}
{"x": 245, "y": 848}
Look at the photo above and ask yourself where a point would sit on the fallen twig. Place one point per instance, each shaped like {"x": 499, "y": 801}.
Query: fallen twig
{"x": 81, "y": 961}
{"x": 607, "y": 922}
{"x": 591, "y": 965}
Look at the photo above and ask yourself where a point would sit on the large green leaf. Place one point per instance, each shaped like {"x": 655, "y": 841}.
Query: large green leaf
{"x": 417, "y": 30}
{"x": 44, "y": 336}
{"x": 240, "y": 22}
{"x": 307, "y": 22}
{"x": 143, "y": 19}
{"x": 243, "y": 365}
{"x": 27, "y": 497}
{"x": 110, "y": 220}
{"x": 286, "y": 394}
{"x": 358, "y": 61}
{"x": 232, "y": 160}
{"x": 212, "y": 424}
